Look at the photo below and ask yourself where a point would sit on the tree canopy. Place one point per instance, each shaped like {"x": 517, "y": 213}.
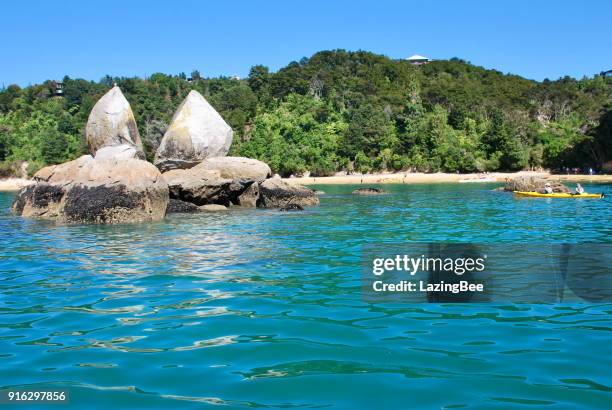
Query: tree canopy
{"x": 342, "y": 110}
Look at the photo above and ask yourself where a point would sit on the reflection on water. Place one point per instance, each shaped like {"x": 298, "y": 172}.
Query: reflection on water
{"x": 260, "y": 308}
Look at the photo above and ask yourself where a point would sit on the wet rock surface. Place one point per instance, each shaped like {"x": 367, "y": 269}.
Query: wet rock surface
{"x": 176, "y": 206}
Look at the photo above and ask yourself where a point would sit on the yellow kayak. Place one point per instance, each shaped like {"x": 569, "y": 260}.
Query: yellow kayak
{"x": 557, "y": 195}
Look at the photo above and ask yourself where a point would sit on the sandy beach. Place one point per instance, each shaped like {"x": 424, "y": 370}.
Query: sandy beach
{"x": 440, "y": 177}
{"x": 14, "y": 184}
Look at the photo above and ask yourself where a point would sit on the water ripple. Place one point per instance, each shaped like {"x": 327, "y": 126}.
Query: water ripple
{"x": 260, "y": 308}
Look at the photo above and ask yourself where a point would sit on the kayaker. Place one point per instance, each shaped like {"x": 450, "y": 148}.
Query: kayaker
{"x": 579, "y": 189}
{"x": 547, "y": 188}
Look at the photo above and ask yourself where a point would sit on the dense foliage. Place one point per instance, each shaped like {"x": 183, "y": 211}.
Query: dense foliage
{"x": 340, "y": 110}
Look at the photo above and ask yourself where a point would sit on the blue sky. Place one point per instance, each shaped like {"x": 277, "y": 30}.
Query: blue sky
{"x": 536, "y": 39}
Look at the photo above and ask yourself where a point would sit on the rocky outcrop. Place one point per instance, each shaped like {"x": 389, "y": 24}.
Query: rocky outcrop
{"x": 89, "y": 190}
{"x": 274, "y": 193}
{"x": 240, "y": 168}
{"x": 196, "y": 132}
{"x": 203, "y": 185}
{"x": 368, "y": 191}
{"x": 221, "y": 180}
{"x": 533, "y": 184}
{"x": 122, "y": 151}
{"x": 111, "y": 123}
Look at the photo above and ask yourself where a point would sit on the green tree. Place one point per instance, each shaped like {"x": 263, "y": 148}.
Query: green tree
{"x": 54, "y": 147}
{"x": 363, "y": 163}
{"x": 369, "y": 132}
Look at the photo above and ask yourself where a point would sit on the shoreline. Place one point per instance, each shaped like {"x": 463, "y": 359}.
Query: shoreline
{"x": 15, "y": 184}
{"x": 439, "y": 177}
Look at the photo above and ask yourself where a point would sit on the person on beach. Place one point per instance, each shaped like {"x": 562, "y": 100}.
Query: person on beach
{"x": 579, "y": 189}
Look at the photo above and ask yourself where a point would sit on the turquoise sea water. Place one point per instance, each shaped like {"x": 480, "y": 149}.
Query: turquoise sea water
{"x": 260, "y": 308}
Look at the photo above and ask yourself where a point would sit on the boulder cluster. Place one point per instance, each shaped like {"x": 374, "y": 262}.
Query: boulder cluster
{"x": 191, "y": 173}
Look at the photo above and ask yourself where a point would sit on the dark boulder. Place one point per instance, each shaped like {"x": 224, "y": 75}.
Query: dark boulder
{"x": 176, "y": 206}
{"x": 368, "y": 191}
{"x": 203, "y": 187}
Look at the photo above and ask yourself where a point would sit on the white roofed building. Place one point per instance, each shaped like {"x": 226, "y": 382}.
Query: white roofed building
{"x": 418, "y": 59}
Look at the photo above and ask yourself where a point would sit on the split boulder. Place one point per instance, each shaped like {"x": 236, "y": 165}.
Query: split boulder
{"x": 111, "y": 122}
{"x": 196, "y": 132}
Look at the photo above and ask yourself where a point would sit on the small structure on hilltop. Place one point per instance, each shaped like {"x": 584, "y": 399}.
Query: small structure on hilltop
{"x": 59, "y": 89}
{"x": 418, "y": 59}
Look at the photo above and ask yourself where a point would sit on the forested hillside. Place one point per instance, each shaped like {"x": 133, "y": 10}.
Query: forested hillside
{"x": 340, "y": 110}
